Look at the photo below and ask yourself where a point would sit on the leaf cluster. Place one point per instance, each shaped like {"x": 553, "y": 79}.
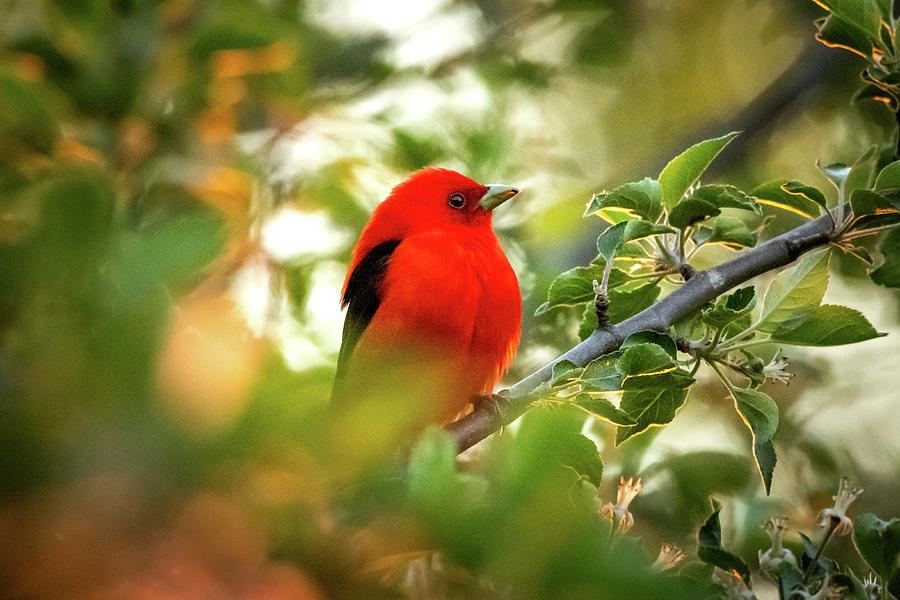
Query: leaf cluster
{"x": 656, "y": 226}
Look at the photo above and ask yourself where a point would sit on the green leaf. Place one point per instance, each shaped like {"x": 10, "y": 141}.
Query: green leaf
{"x": 27, "y": 118}
{"x": 644, "y": 358}
{"x": 839, "y": 33}
{"x": 862, "y": 172}
{"x": 730, "y": 232}
{"x": 730, "y": 307}
{"x": 822, "y": 566}
{"x": 565, "y": 371}
{"x": 795, "y": 292}
{"x": 603, "y": 409}
{"x": 791, "y": 196}
{"x": 710, "y": 550}
{"x": 760, "y": 414}
{"x": 873, "y": 92}
{"x": 663, "y": 340}
{"x": 686, "y": 168}
{"x": 847, "y": 579}
{"x": 579, "y": 454}
{"x": 641, "y": 199}
{"x": 871, "y": 209}
{"x": 707, "y": 201}
{"x": 432, "y": 468}
{"x": 893, "y": 583}
{"x": 836, "y": 173}
{"x": 576, "y": 286}
{"x": 888, "y": 179}
{"x": 652, "y": 399}
{"x": 170, "y": 254}
{"x": 653, "y": 388}
{"x": 601, "y": 373}
{"x": 879, "y": 542}
{"x": 627, "y": 301}
{"x": 864, "y": 14}
{"x": 827, "y": 325}
{"x": 796, "y": 188}
{"x": 888, "y": 274}
{"x": 611, "y": 241}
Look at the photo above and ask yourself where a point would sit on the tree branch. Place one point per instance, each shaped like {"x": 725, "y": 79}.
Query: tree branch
{"x": 701, "y": 288}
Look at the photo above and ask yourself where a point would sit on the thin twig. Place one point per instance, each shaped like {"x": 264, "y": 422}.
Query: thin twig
{"x": 812, "y": 565}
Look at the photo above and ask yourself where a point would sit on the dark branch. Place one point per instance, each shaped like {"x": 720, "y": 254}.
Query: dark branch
{"x": 699, "y": 289}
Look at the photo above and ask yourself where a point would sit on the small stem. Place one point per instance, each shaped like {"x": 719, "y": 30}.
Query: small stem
{"x": 693, "y": 251}
{"x": 865, "y": 232}
{"x": 717, "y": 337}
{"x": 812, "y": 565}
{"x": 727, "y": 347}
{"x": 696, "y": 367}
{"x": 744, "y": 333}
{"x": 721, "y": 375}
{"x": 654, "y": 274}
{"x": 604, "y": 283}
{"x": 613, "y": 528}
{"x": 667, "y": 256}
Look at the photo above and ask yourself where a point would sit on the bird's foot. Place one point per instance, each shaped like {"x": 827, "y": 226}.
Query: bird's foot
{"x": 494, "y": 404}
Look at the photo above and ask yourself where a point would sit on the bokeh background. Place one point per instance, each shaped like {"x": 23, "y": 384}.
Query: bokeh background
{"x": 181, "y": 182}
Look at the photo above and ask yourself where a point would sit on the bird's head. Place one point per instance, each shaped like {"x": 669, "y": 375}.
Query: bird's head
{"x": 438, "y": 197}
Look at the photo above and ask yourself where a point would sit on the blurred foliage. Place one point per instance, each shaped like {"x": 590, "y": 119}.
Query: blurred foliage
{"x": 166, "y": 355}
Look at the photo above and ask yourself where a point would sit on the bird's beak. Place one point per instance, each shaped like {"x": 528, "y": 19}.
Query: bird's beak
{"x": 496, "y": 195}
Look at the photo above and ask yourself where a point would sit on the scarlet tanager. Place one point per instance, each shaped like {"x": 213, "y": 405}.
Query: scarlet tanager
{"x": 433, "y": 305}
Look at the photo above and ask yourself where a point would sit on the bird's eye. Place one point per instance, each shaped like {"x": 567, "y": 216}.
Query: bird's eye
{"x": 456, "y": 200}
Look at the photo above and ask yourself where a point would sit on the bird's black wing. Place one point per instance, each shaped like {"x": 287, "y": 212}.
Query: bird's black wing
{"x": 361, "y": 297}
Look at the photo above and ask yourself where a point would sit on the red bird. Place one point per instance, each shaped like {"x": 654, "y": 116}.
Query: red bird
{"x": 433, "y": 305}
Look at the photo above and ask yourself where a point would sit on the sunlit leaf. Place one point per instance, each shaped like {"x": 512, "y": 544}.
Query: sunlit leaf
{"x": 760, "y": 414}
{"x": 613, "y": 239}
{"x": 654, "y": 388}
{"x": 827, "y": 325}
{"x": 872, "y": 209}
{"x": 663, "y": 340}
{"x": 644, "y": 358}
{"x": 795, "y": 292}
{"x": 791, "y": 196}
{"x": 576, "y": 286}
{"x": 873, "y": 92}
{"x": 730, "y": 307}
{"x": 684, "y": 170}
{"x": 730, "y": 232}
{"x": 603, "y": 409}
{"x": 836, "y": 32}
{"x": 707, "y": 201}
{"x": 652, "y": 400}
{"x": 565, "y": 371}
{"x": 864, "y": 14}
{"x": 601, "y": 374}
{"x": 642, "y": 199}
